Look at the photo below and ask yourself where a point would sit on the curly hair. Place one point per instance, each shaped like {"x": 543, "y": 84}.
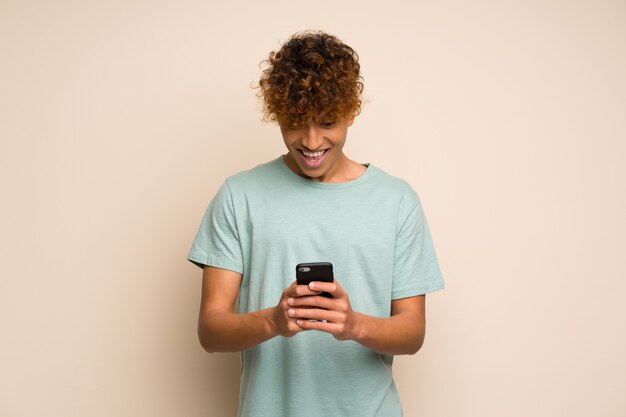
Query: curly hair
{"x": 313, "y": 76}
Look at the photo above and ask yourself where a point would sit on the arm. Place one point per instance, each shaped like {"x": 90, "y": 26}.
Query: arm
{"x": 402, "y": 333}
{"x": 222, "y": 330}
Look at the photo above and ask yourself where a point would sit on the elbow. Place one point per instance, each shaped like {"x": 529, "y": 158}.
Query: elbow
{"x": 418, "y": 339}
{"x": 205, "y": 339}
{"x": 416, "y": 344}
{"x": 204, "y": 343}
{"x": 415, "y": 347}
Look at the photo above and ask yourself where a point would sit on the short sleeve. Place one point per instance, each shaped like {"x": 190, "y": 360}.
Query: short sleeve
{"x": 217, "y": 240}
{"x": 416, "y": 269}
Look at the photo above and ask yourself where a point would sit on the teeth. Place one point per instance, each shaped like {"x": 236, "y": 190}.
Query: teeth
{"x": 313, "y": 154}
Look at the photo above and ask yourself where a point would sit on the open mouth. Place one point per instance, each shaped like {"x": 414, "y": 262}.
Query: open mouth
{"x": 313, "y": 159}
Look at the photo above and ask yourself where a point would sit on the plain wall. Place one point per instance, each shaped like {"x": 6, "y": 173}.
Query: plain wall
{"x": 120, "y": 119}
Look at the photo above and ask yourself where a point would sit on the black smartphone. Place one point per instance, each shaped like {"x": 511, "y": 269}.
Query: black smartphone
{"x": 315, "y": 271}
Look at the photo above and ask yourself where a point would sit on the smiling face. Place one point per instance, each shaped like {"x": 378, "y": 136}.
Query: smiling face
{"x": 316, "y": 150}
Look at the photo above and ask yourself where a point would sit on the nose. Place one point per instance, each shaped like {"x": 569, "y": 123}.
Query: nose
{"x": 313, "y": 137}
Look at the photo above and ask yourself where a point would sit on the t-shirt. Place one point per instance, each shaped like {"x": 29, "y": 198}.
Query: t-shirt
{"x": 265, "y": 221}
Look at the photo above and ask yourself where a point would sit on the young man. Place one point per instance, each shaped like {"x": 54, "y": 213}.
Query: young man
{"x": 304, "y": 354}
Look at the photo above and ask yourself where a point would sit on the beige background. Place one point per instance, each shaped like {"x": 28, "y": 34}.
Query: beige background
{"x": 119, "y": 120}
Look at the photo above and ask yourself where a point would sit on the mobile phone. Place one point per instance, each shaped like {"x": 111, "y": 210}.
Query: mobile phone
{"x": 315, "y": 271}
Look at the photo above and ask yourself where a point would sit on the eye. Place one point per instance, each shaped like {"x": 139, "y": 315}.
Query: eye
{"x": 327, "y": 124}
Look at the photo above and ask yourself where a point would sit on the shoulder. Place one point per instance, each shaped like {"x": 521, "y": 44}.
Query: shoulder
{"x": 253, "y": 177}
{"x": 395, "y": 187}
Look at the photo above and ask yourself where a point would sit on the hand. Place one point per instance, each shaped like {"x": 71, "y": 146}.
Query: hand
{"x": 333, "y": 315}
{"x": 283, "y": 324}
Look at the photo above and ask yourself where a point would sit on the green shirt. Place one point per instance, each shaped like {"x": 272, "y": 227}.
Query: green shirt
{"x": 265, "y": 221}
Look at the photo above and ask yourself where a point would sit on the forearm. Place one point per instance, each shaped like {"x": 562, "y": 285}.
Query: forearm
{"x": 225, "y": 331}
{"x": 402, "y": 334}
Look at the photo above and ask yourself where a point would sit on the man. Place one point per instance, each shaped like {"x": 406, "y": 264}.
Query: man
{"x": 304, "y": 354}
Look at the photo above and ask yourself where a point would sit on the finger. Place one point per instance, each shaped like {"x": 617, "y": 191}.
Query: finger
{"x": 299, "y": 291}
{"x": 332, "y": 287}
{"x": 315, "y": 314}
{"x": 318, "y": 325}
{"x": 294, "y": 327}
{"x": 303, "y": 290}
{"x": 313, "y": 301}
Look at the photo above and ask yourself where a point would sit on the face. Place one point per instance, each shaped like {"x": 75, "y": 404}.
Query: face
{"x": 316, "y": 150}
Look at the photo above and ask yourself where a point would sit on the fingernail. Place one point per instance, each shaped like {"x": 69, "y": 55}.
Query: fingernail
{"x": 298, "y": 322}
{"x": 291, "y": 312}
{"x": 312, "y": 285}
{"x": 290, "y": 301}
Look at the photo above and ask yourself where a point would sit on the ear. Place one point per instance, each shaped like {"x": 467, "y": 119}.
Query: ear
{"x": 350, "y": 121}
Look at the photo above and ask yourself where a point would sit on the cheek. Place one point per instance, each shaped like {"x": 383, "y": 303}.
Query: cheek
{"x": 288, "y": 142}
{"x": 290, "y": 139}
{"x": 339, "y": 143}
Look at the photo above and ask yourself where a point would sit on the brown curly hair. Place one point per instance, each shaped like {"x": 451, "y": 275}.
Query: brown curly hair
{"x": 313, "y": 76}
